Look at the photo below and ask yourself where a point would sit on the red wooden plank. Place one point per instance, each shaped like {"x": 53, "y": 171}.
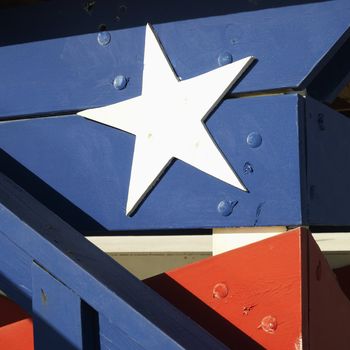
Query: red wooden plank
{"x": 277, "y": 294}
{"x": 17, "y": 336}
{"x": 10, "y": 312}
{"x": 16, "y": 328}
{"x": 256, "y": 289}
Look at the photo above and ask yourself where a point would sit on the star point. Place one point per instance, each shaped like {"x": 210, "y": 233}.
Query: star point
{"x": 168, "y": 121}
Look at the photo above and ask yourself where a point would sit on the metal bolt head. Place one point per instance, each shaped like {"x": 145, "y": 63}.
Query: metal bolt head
{"x": 120, "y": 82}
{"x": 104, "y": 38}
{"x": 225, "y": 207}
{"x": 220, "y": 291}
{"x": 225, "y": 58}
{"x": 268, "y": 324}
{"x": 254, "y": 139}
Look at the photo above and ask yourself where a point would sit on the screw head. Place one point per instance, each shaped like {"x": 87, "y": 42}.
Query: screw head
{"x": 220, "y": 291}
{"x": 104, "y": 38}
{"x": 254, "y": 139}
{"x": 225, "y": 207}
{"x": 225, "y": 58}
{"x": 268, "y": 324}
{"x": 120, "y": 82}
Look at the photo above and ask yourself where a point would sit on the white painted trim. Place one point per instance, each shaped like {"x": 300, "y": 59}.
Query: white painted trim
{"x": 218, "y": 242}
{"x": 333, "y": 242}
{"x": 145, "y": 256}
{"x": 225, "y": 239}
{"x": 153, "y": 244}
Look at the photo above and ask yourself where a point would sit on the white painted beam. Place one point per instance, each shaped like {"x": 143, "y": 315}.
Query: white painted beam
{"x": 221, "y": 240}
{"x": 225, "y": 239}
{"x": 146, "y": 256}
{"x": 154, "y": 244}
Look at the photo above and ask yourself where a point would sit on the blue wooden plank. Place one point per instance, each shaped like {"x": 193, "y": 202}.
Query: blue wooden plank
{"x": 82, "y": 172}
{"x": 128, "y": 305}
{"x": 113, "y": 339}
{"x": 50, "y": 67}
{"x": 57, "y": 314}
{"x": 15, "y": 279}
{"x": 327, "y": 168}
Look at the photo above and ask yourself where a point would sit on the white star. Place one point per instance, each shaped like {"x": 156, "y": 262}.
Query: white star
{"x": 168, "y": 120}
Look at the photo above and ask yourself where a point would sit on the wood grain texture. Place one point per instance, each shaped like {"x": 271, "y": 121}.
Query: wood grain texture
{"x": 50, "y": 67}
{"x": 242, "y": 287}
{"x": 81, "y": 170}
{"x": 15, "y": 278}
{"x": 298, "y": 175}
{"x": 130, "y": 306}
{"x": 168, "y": 110}
{"x": 57, "y": 313}
{"x": 279, "y": 292}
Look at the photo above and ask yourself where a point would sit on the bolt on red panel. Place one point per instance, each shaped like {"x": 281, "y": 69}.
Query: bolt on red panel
{"x": 258, "y": 296}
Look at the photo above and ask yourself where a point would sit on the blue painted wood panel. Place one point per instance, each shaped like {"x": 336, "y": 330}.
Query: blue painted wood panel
{"x": 57, "y": 314}
{"x": 129, "y": 306}
{"x": 113, "y": 339}
{"x": 52, "y": 61}
{"x": 80, "y": 169}
{"x": 15, "y": 272}
{"x": 328, "y": 166}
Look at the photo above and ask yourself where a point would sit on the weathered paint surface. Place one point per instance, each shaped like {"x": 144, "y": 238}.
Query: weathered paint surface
{"x": 50, "y": 67}
{"x": 71, "y": 285}
{"x": 279, "y": 292}
{"x": 253, "y": 293}
{"x": 81, "y": 169}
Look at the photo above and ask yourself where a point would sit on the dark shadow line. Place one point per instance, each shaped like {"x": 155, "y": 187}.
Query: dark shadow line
{"x": 49, "y": 197}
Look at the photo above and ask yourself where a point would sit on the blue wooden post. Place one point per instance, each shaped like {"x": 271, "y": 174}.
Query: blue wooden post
{"x": 57, "y": 313}
{"x": 69, "y": 269}
{"x": 80, "y": 169}
{"x": 15, "y": 272}
{"x": 59, "y": 170}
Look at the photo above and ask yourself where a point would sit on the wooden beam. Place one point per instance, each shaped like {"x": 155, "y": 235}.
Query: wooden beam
{"x": 130, "y": 307}
{"x": 151, "y": 244}
{"x": 146, "y": 256}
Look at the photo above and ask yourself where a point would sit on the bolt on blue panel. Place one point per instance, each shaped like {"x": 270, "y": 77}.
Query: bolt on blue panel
{"x": 81, "y": 170}
{"x": 64, "y": 56}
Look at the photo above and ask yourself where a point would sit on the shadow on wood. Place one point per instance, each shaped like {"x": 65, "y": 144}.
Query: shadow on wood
{"x": 279, "y": 292}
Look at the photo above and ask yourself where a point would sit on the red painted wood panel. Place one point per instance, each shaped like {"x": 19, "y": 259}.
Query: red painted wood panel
{"x": 247, "y": 297}
{"x": 278, "y": 294}
{"x": 10, "y": 312}
{"x": 16, "y": 328}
